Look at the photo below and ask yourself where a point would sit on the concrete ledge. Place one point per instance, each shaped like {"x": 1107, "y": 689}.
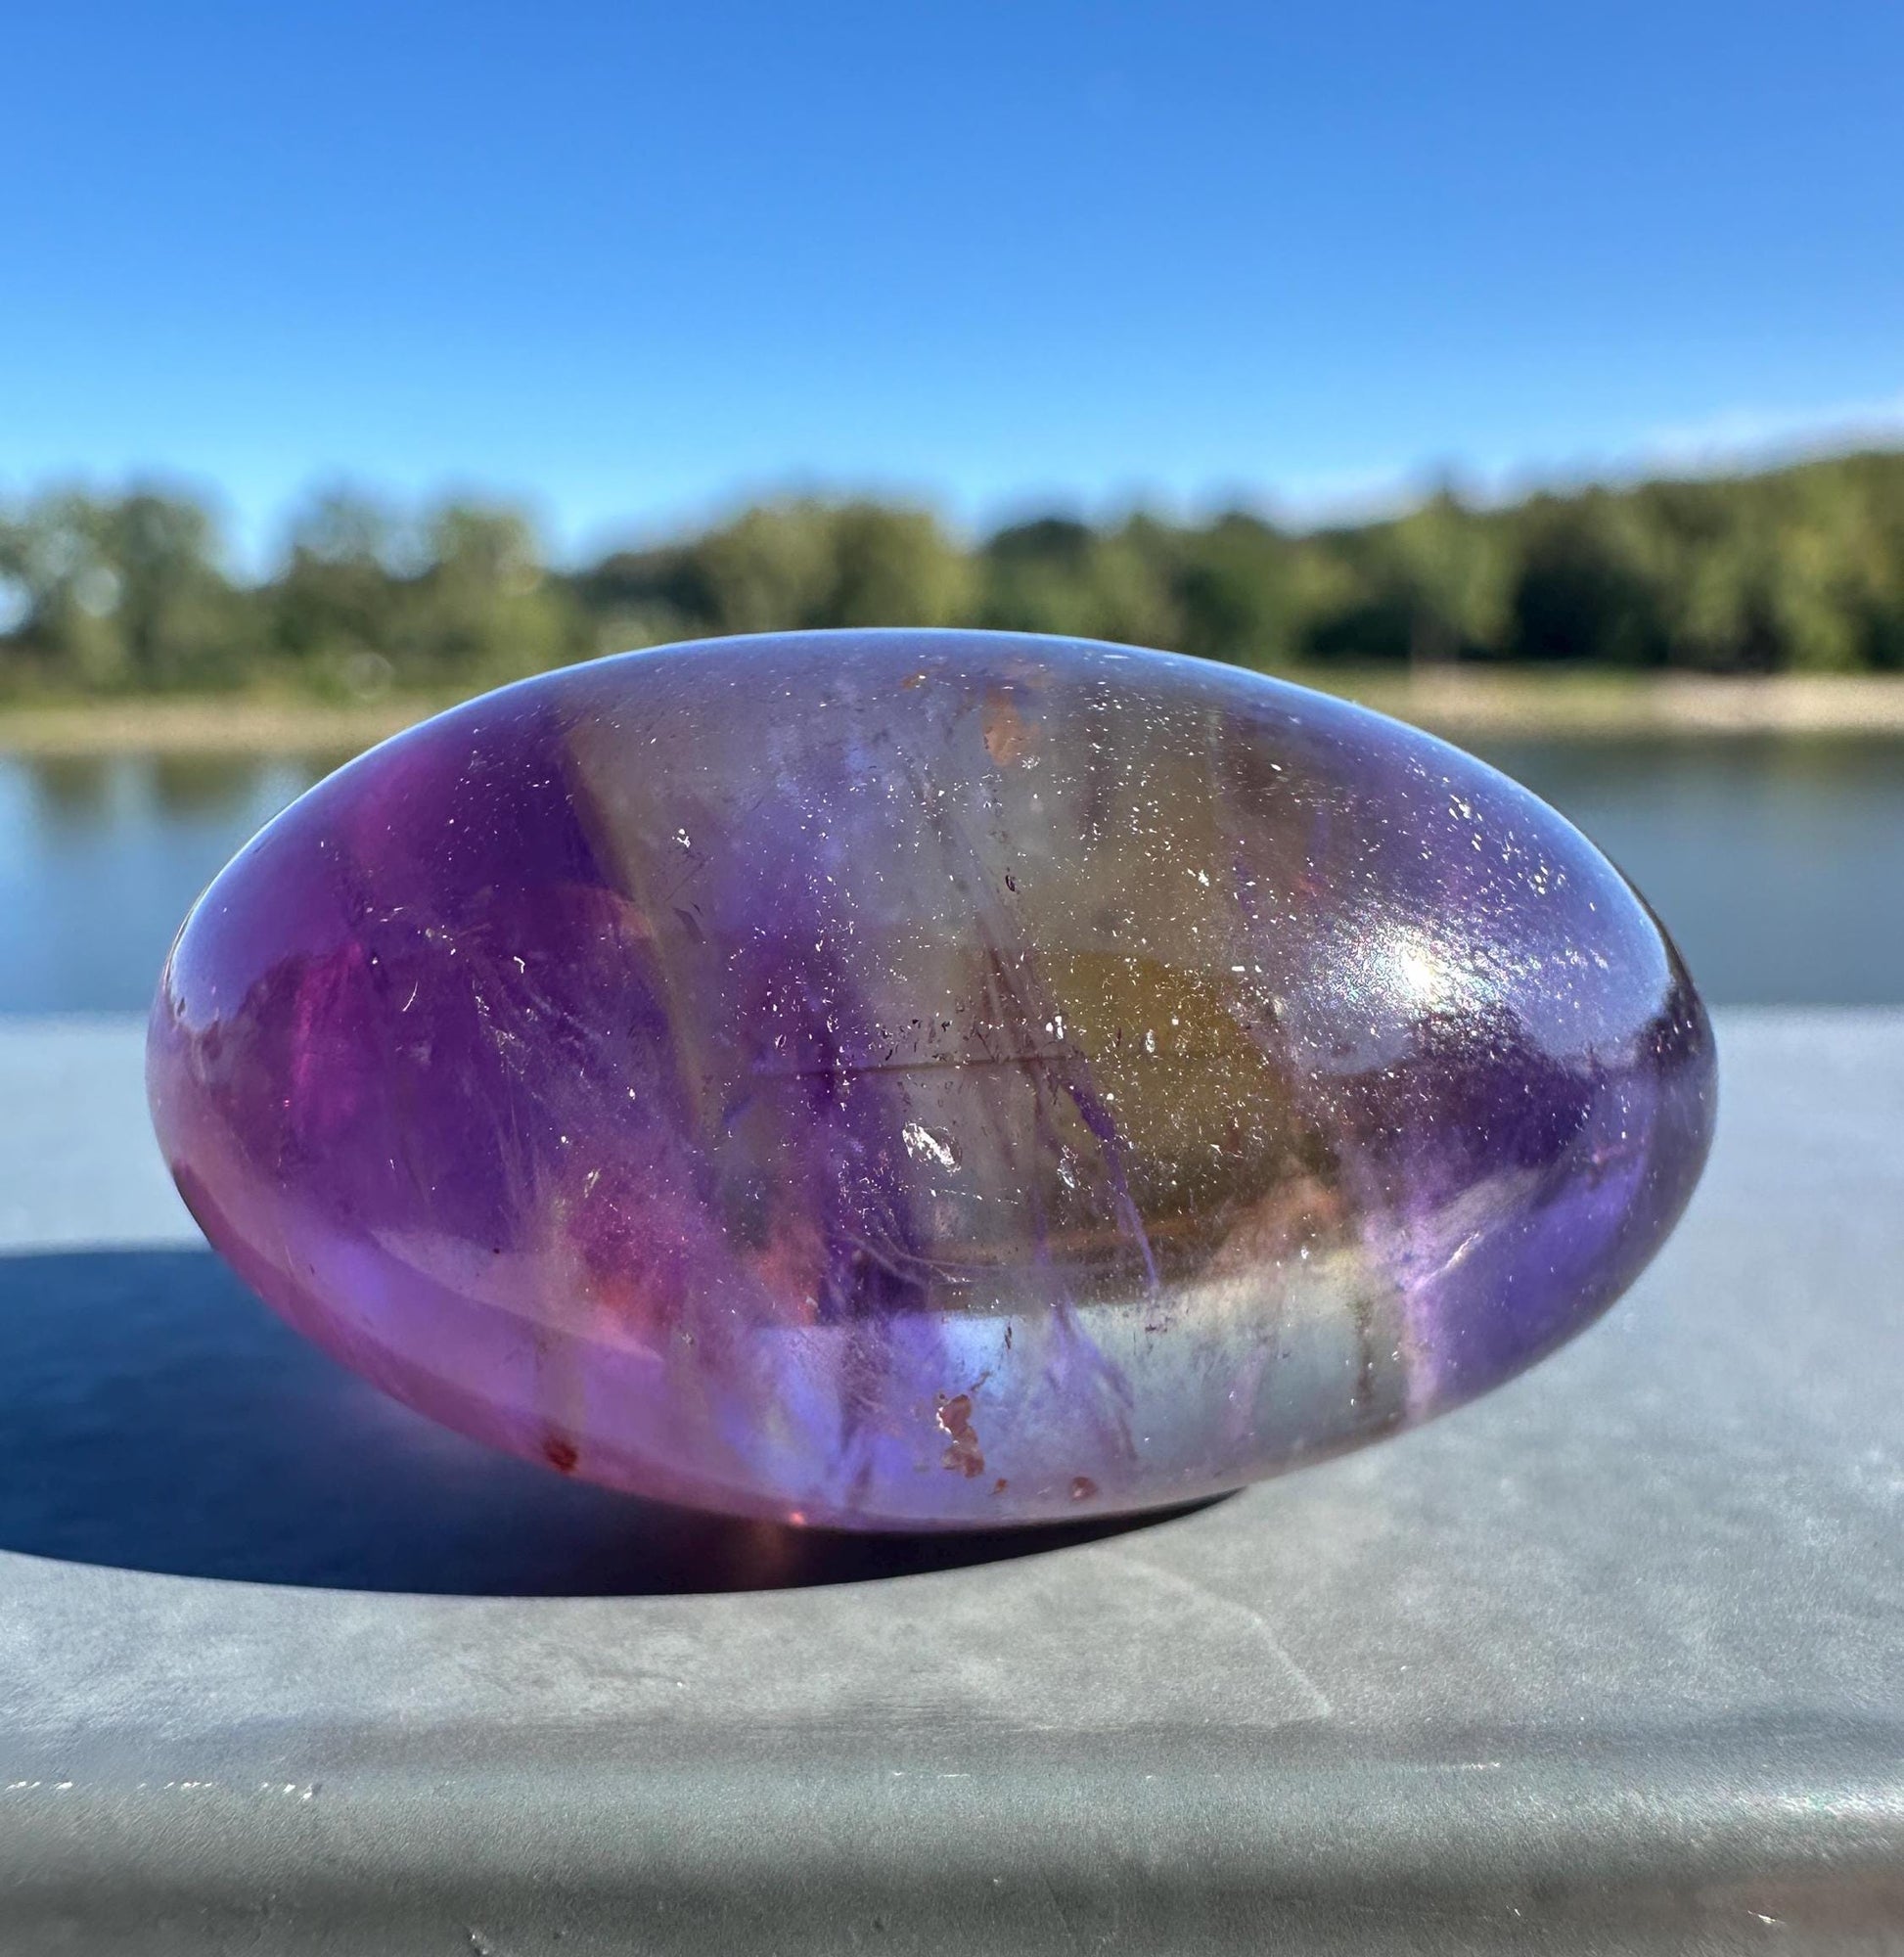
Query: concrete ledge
{"x": 1610, "y": 1661}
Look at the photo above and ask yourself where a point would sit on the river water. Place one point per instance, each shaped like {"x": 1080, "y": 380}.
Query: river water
{"x": 1776, "y": 861}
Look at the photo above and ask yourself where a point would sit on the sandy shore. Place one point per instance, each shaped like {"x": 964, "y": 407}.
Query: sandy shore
{"x": 1471, "y": 705}
{"x": 1460, "y": 705}
{"x": 232, "y": 724}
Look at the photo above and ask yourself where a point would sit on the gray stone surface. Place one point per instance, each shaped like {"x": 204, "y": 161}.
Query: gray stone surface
{"x": 1612, "y": 1659}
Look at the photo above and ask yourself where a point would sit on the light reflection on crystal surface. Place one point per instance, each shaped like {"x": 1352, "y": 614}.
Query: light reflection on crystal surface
{"x": 927, "y": 1079}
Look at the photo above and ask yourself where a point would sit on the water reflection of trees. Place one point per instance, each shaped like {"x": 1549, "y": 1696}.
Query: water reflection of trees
{"x": 72, "y": 791}
{"x": 197, "y": 785}
{"x": 77, "y": 794}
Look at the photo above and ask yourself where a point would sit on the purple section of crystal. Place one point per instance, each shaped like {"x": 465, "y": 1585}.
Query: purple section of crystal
{"x": 927, "y": 1079}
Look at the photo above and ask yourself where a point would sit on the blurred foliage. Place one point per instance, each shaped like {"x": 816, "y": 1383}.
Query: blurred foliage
{"x": 1793, "y": 568}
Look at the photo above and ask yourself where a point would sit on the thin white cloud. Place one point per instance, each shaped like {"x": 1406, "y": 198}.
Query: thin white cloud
{"x": 1745, "y": 435}
{"x": 1737, "y": 439}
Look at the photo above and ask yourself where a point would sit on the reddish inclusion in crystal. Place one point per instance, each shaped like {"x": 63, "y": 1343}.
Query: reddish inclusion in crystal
{"x": 911, "y": 1080}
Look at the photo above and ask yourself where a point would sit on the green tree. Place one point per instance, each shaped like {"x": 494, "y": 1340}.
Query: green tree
{"x": 1581, "y": 589}
{"x": 485, "y": 609}
{"x": 1238, "y": 593}
{"x": 1452, "y": 573}
{"x": 1059, "y": 575}
{"x": 1799, "y": 568}
{"x": 804, "y": 563}
{"x": 337, "y": 605}
{"x": 123, "y": 593}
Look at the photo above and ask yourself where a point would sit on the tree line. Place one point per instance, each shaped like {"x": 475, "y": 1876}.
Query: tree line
{"x": 1795, "y": 569}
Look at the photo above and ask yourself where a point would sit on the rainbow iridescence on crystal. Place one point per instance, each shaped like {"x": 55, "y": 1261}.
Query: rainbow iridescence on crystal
{"x": 910, "y": 1079}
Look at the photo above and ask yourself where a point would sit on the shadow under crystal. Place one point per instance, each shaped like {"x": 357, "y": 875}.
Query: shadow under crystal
{"x": 155, "y": 1416}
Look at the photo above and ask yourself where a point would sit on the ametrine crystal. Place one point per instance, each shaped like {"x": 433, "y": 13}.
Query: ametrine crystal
{"x": 909, "y": 1079}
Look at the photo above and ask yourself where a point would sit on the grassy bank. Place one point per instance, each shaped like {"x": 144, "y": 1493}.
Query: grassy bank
{"x": 1461, "y": 704}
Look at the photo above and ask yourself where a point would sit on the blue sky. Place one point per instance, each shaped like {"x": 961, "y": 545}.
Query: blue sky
{"x": 638, "y": 261}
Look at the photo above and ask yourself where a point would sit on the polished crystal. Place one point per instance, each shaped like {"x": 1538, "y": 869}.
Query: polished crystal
{"x": 910, "y": 1079}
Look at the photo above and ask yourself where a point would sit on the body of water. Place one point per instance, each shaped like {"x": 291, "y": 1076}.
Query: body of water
{"x": 1777, "y": 862}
